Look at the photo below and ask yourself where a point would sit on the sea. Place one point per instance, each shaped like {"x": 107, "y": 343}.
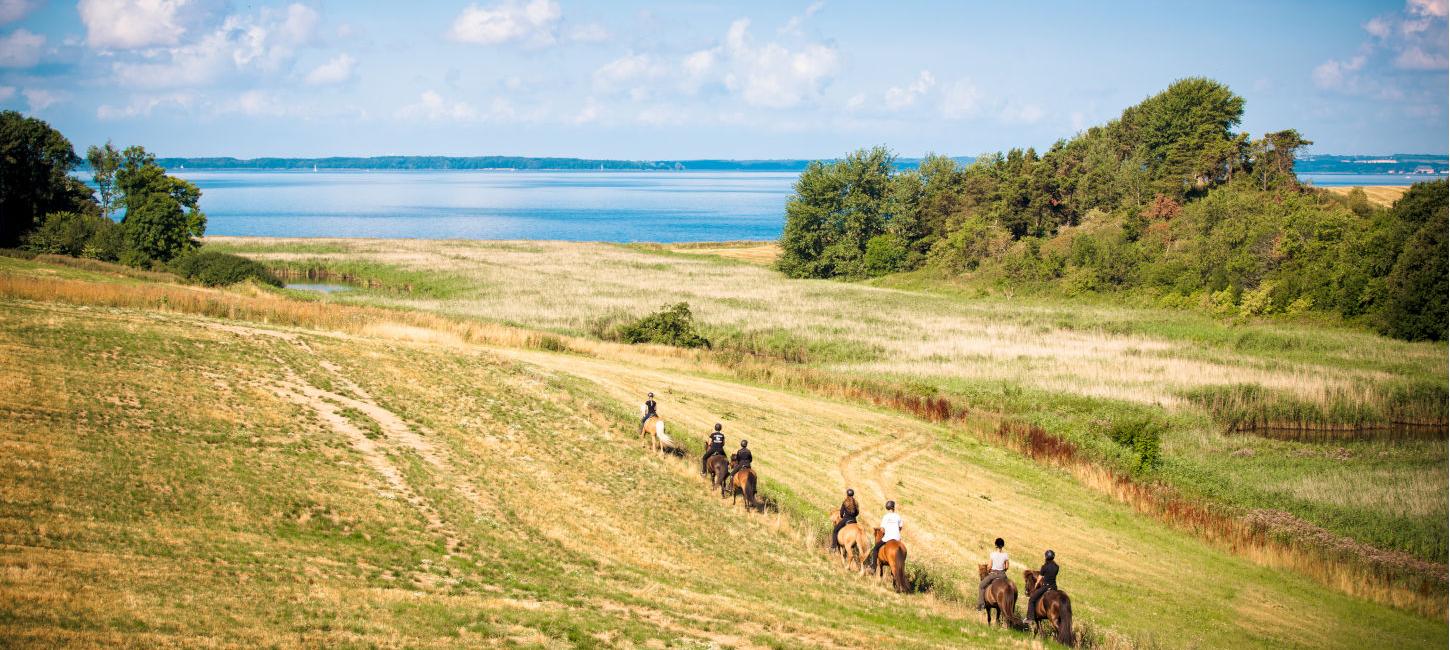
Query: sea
{"x": 614, "y": 206}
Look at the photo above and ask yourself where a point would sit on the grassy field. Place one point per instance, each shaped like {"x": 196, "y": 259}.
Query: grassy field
{"x": 202, "y": 467}
{"x": 1380, "y": 195}
{"x": 1076, "y": 369}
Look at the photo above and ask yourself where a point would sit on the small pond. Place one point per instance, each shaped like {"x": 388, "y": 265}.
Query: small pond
{"x": 320, "y": 288}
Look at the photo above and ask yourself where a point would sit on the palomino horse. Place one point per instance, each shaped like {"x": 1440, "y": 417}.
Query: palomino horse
{"x": 743, "y": 482}
{"x": 853, "y": 543}
{"x": 719, "y": 468}
{"x": 892, "y": 553}
{"x": 1054, "y": 605}
{"x": 654, "y": 431}
{"x": 1001, "y": 595}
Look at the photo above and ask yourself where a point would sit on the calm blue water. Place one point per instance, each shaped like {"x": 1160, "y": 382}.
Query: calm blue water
{"x": 580, "y": 206}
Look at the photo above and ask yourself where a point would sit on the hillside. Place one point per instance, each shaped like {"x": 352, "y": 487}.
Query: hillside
{"x": 208, "y": 467}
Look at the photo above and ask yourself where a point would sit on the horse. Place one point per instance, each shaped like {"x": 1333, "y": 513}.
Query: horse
{"x": 743, "y": 481}
{"x": 892, "y": 553}
{"x": 1054, "y": 605}
{"x": 653, "y": 430}
{"x": 852, "y": 543}
{"x": 719, "y": 468}
{"x": 1001, "y": 595}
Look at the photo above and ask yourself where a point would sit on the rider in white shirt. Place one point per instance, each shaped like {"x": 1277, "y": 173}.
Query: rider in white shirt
{"x": 997, "y": 568}
{"x": 891, "y": 526}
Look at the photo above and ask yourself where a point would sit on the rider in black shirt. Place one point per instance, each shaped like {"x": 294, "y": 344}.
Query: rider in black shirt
{"x": 740, "y": 459}
{"x": 649, "y": 410}
{"x": 1046, "y": 583}
{"x": 716, "y": 446}
{"x": 849, "y": 512}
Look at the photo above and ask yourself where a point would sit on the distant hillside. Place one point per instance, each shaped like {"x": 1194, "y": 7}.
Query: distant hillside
{"x": 501, "y": 162}
{"x": 1399, "y": 163}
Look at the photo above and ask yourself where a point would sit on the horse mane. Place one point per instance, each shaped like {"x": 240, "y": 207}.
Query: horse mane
{"x": 981, "y": 570}
{"x": 1029, "y": 579}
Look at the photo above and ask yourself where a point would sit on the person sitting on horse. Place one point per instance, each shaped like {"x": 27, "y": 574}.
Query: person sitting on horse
{"x": 849, "y": 512}
{"x": 891, "y": 526}
{"x": 996, "y": 568}
{"x": 740, "y": 459}
{"x": 1046, "y": 581}
{"x": 716, "y": 447}
{"x": 648, "y": 410}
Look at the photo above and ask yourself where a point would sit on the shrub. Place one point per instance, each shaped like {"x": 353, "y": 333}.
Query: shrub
{"x": 885, "y": 254}
{"x": 217, "y": 269}
{"x": 1142, "y": 435}
{"x": 672, "y": 325}
{"x": 77, "y": 234}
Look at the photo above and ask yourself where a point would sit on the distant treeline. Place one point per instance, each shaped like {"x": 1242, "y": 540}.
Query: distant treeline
{"x": 1399, "y": 163}
{"x": 1166, "y": 202}
{"x": 520, "y": 163}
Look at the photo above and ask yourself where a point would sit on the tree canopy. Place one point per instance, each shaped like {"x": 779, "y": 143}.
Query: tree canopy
{"x": 35, "y": 165}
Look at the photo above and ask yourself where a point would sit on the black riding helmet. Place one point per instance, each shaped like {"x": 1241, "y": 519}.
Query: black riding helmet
{"x": 717, "y": 426}
{"x": 1049, "y": 554}
{"x": 1000, "y": 543}
{"x": 744, "y": 443}
{"x": 890, "y": 505}
{"x": 651, "y": 394}
{"x": 850, "y": 492}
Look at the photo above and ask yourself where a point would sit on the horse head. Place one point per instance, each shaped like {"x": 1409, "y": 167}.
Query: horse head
{"x": 981, "y": 570}
{"x": 1029, "y": 579}
{"x": 879, "y": 533}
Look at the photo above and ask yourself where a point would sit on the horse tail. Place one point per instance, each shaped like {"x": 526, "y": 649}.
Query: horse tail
{"x": 750, "y": 489}
{"x": 1009, "y": 603}
{"x": 1064, "y": 621}
{"x": 898, "y": 569}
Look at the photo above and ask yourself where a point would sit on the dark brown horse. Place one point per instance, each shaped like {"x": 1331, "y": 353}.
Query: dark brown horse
{"x": 719, "y": 467}
{"x": 744, "y": 482}
{"x": 1000, "y": 595}
{"x": 1054, "y": 606}
{"x": 892, "y": 553}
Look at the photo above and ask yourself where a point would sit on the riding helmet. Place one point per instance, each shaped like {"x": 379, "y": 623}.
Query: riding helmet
{"x": 651, "y": 394}
{"x": 1000, "y": 543}
{"x": 850, "y": 492}
{"x": 744, "y": 443}
{"x": 1049, "y": 554}
{"x": 717, "y": 426}
{"x": 890, "y": 505}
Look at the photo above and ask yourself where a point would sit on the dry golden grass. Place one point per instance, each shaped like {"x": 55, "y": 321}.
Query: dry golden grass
{"x": 761, "y": 253}
{"x": 1381, "y": 195}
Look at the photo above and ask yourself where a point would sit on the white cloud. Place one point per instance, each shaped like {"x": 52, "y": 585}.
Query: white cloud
{"x": 338, "y": 69}
{"x": 1377, "y": 27}
{"x": 129, "y": 24}
{"x": 39, "y": 100}
{"x": 591, "y": 33}
{"x": 772, "y": 75}
{"x": 587, "y": 113}
{"x": 432, "y": 106}
{"x": 1415, "y": 58}
{"x": 6, "y": 92}
{"x": 898, "y": 97}
{"x": 144, "y": 105}
{"x": 261, "y": 44}
{"x": 631, "y": 73}
{"x": 1435, "y": 8}
{"x": 793, "y": 26}
{"x": 13, "y": 10}
{"x": 1337, "y": 75}
{"x": 20, "y": 49}
{"x": 535, "y": 22}
{"x": 960, "y": 99}
{"x": 856, "y": 102}
{"x": 1019, "y": 113}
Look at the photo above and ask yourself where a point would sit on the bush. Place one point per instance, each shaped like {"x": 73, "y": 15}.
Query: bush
{"x": 885, "y": 254}
{"x": 218, "y": 269}
{"x": 77, "y": 234}
{"x": 673, "y": 325}
{"x": 1143, "y": 436}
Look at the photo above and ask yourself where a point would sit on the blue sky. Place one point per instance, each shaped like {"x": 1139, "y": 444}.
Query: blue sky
{"x": 644, "y": 80}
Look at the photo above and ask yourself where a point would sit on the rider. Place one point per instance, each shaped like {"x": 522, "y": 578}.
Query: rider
{"x": 740, "y": 459}
{"x": 891, "y": 526}
{"x": 849, "y": 512}
{"x": 716, "y": 446}
{"x": 1045, "y": 583}
{"x": 997, "y": 568}
{"x": 647, "y": 409}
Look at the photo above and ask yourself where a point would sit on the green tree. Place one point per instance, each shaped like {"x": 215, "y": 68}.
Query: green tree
{"x": 78, "y": 234}
{"x": 104, "y": 162}
{"x": 35, "y": 163}
{"x": 162, "y": 218}
{"x": 836, "y": 209}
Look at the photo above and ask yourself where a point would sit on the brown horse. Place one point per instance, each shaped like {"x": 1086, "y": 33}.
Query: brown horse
{"x": 852, "y": 542}
{"x": 1054, "y": 606}
{"x": 892, "y": 553}
{"x": 719, "y": 467}
{"x": 1001, "y": 595}
{"x": 743, "y": 482}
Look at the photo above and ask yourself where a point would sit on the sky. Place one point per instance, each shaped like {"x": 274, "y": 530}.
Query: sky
{"x": 635, "y": 79}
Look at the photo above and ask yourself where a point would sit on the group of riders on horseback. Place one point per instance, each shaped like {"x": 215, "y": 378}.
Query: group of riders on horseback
{"x": 995, "y": 591}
